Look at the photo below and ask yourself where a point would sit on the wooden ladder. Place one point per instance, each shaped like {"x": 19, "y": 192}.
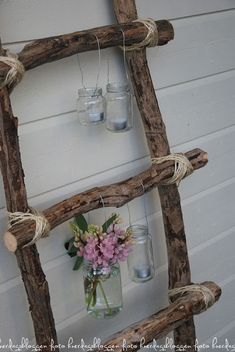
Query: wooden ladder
{"x": 178, "y": 316}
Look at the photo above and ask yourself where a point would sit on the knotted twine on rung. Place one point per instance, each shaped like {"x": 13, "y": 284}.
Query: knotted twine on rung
{"x": 151, "y": 38}
{"x": 16, "y": 72}
{"x": 208, "y": 296}
{"x": 42, "y": 226}
{"x": 183, "y": 167}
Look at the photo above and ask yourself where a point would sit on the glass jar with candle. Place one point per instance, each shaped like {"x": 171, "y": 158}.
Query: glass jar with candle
{"x": 118, "y": 107}
{"x": 90, "y": 106}
{"x": 140, "y": 259}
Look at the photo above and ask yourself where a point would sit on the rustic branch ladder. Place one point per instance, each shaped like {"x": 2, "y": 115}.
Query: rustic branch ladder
{"x": 178, "y": 316}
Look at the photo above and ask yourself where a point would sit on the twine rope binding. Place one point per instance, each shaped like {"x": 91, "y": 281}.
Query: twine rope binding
{"x": 42, "y": 226}
{"x": 208, "y": 295}
{"x": 16, "y": 72}
{"x": 151, "y": 38}
{"x": 183, "y": 167}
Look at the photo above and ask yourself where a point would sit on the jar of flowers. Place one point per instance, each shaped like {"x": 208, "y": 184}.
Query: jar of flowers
{"x": 98, "y": 250}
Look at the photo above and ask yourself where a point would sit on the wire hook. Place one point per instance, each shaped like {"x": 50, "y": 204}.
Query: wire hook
{"x": 99, "y": 65}
{"x": 145, "y": 209}
{"x": 102, "y": 202}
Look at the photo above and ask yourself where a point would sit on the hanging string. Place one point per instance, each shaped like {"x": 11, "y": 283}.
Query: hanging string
{"x": 126, "y": 73}
{"x": 99, "y": 66}
{"x": 108, "y": 71}
{"x": 99, "y": 61}
{"x": 102, "y": 201}
{"x": 129, "y": 214}
{"x": 124, "y": 60}
{"x": 208, "y": 296}
{"x": 81, "y": 72}
{"x": 88, "y": 218}
{"x": 124, "y": 56}
{"x": 145, "y": 208}
{"x": 42, "y": 226}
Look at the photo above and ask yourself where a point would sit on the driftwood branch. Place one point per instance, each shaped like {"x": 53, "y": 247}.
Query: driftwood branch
{"x": 160, "y": 324}
{"x": 16, "y": 199}
{"x": 179, "y": 267}
{"x": 115, "y": 195}
{"x": 51, "y": 49}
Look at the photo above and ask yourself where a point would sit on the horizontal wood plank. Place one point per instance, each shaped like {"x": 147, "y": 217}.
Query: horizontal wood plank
{"x": 73, "y": 306}
{"x": 221, "y": 151}
{"x": 213, "y": 36}
{"x": 17, "y": 16}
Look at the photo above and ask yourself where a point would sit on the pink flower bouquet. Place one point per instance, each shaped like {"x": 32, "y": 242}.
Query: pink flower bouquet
{"x": 99, "y": 249}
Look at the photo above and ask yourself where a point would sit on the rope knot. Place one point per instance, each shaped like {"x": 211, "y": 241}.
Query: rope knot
{"x": 183, "y": 167}
{"x": 42, "y": 226}
{"x": 208, "y": 296}
{"x": 15, "y": 73}
{"x": 151, "y": 38}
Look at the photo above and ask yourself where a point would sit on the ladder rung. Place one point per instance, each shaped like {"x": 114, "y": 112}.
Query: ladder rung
{"x": 55, "y": 48}
{"x": 114, "y": 195}
{"x": 160, "y": 324}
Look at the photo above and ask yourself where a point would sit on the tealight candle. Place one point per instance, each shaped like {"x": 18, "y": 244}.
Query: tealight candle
{"x": 118, "y": 124}
{"x": 142, "y": 272}
{"x": 96, "y": 116}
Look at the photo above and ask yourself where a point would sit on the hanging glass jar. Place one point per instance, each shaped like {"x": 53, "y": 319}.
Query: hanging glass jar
{"x": 90, "y": 106}
{"x": 103, "y": 290}
{"x": 118, "y": 107}
{"x": 140, "y": 259}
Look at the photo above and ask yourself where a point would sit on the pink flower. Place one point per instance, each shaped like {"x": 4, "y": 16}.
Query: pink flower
{"x": 106, "y": 249}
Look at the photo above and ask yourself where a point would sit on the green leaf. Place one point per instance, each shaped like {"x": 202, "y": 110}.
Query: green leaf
{"x": 78, "y": 263}
{"x": 81, "y": 222}
{"x": 109, "y": 222}
{"x": 66, "y": 245}
{"x": 72, "y": 251}
{"x": 69, "y": 246}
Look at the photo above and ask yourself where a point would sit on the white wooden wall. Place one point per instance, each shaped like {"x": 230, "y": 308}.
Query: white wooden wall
{"x": 195, "y": 79}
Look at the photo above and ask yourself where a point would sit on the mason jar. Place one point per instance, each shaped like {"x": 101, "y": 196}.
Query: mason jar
{"x": 118, "y": 107}
{"x": 140, "y": 259}
{"x": 103, "y": 290}
{"x": 90, "y": 106}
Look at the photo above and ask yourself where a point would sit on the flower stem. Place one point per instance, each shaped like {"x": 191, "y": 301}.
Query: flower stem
{"x": 105, "y": 298}
{"x": 92, "y": 294}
